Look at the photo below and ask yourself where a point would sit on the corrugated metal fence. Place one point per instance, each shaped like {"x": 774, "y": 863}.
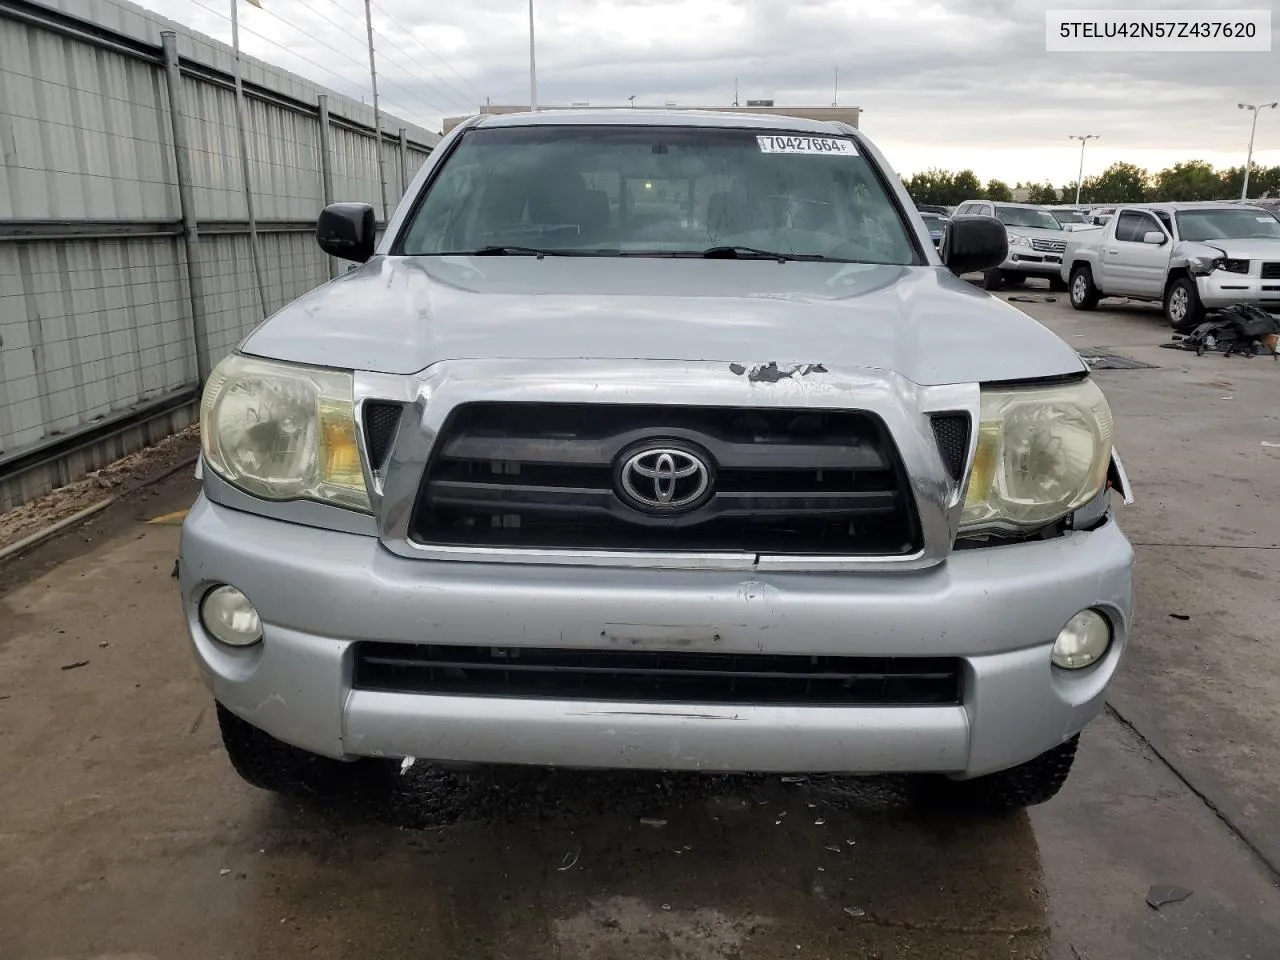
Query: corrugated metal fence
{"x": 98, "y": 327}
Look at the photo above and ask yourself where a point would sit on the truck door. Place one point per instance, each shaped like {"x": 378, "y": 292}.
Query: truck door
{"x": 1130, "y": 266}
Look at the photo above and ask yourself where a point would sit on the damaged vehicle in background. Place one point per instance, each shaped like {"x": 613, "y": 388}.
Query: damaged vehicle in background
{"x": 1190, "y": 257}
{"x": 662, "y": 441}
{"x": 1036, "y": 241}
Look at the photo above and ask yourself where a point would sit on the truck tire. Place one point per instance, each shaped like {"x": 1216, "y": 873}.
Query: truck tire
{"x": 1182, "y": 306}
{"x": 1025, "y": 785}
{"x": 270, "y": 764}
{"x": 1084, "y": 295}
{"x": 992, "y": 279}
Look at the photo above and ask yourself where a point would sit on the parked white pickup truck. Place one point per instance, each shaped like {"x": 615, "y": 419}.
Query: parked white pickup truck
{"x": 1191, "y": 257}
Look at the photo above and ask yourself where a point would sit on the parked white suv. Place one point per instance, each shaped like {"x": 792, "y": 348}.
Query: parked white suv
{"x": 1036, "y": 242}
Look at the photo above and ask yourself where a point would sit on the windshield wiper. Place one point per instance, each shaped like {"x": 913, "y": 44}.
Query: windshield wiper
{"x": 736, "y": 252}
{"x": 503, "y": 250}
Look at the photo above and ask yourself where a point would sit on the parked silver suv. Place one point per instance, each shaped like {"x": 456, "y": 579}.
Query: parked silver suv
{"x": 656, "y": 440}
{"x": 1036, "y": 242}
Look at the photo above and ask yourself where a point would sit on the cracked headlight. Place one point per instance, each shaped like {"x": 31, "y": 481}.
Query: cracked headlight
{"x": 283, "y": 432}
{"x": 1042, "y": 453}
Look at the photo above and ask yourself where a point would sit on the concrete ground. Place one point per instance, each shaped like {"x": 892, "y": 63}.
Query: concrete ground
{"x": 125, "y": 834}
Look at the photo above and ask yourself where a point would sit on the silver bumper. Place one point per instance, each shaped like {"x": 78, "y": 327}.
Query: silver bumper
{"x": 1221, "y": 289}
{"x": 1033, "y": 262}
{"x": 319, "y": 591}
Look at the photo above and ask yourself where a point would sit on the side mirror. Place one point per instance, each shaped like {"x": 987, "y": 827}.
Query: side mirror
{"x": 1154, "y": 237}
{"x": 974, "y": 243}
{"x": 347, "y": 231}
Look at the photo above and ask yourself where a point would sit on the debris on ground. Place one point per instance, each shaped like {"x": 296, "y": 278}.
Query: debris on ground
{"x": 1241, "y": 329}
{"x": 570, "y": 859}
{"x": 224, "y": 871}
{"x": 1160, "y": 895}
{"x": 1026, "y": 299}
{"x": 1179, "y": 616}
{"x": 855, "y": 912}
{"x": 74, "y": 666}
{"x": 653, "y": 822}
{"x": 406, "y": 763}
{"x": 111, "y": 480}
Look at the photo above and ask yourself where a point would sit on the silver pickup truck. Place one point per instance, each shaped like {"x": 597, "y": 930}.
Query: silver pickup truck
{"x": 1191, "y": 257}
{"x": 656, "y": 440}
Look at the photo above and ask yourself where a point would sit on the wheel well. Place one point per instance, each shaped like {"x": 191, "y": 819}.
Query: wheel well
{"x": 1077, "y": 264}
{"x": 1177, "y": 273}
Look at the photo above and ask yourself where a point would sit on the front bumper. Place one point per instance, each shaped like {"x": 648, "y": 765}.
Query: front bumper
{"x": 1221, "y": 289}
{"x": 1033, "y": 263}
{"x": 319, "y": 591}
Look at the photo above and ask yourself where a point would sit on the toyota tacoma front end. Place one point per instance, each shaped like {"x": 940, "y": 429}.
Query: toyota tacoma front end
{"x": 658, "y": 441}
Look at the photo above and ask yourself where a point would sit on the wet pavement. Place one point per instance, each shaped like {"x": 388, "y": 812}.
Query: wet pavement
{"x": 125, "y": 834}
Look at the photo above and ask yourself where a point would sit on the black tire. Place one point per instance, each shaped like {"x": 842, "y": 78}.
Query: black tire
{"x": 270, "y": 764}
{"x": 992, "y": 279}
{"x": 1182, "y": 306}
{"x": 1083, "y": 294}
{"x": 1025, "y": 785}
{"x": 1014, "y": 279}
{"x": 1057, "y": 284}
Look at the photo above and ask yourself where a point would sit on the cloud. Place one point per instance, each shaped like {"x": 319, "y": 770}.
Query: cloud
{"x": 966, "y": 82}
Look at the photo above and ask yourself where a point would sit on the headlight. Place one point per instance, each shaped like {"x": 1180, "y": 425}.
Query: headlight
{"x": 1233, "y": 266}
{"x": 1018, "y": 240}
{"x": 283, "y": 432}
{"x": 1042, "y": 453}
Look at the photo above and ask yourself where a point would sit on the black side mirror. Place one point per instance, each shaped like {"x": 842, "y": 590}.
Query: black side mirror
{"x": 974, "y": 243}
{"x": 347, "y": 230}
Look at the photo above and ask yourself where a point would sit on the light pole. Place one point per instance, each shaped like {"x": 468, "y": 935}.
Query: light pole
{"x": 533, "y": 66}
{"x": 1254, "y": 107}
{"x": 1080, "y": 176}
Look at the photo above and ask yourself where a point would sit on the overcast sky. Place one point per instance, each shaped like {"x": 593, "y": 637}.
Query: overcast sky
{"x": 955, "y": 84}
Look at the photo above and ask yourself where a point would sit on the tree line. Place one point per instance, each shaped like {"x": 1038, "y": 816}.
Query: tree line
{"x": 1119, "y": 183}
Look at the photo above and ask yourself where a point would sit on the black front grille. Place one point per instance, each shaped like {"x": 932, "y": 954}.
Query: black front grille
{"x": 656, "y": 676}
{"x": 548, "y": 476}
{"x": 1271, "y": 271}
{"x": 381, "y": 418}
{"x": 951, "y": 430}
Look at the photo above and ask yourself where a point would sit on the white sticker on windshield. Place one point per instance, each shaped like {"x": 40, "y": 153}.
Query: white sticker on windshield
{"x": 793, "y": 144}
{"x": 1264, "y": 219}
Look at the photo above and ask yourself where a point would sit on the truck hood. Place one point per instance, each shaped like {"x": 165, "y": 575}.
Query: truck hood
{"x": 402, "y": 314}
{"x": 1246, "y": 249}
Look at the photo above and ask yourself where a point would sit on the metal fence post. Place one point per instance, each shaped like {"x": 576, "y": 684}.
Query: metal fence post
{"x": 187, "y": 205}
{"x": 255, "y": 253}
{"x": 326, "y": 168}
{"x": 404, "y": 161}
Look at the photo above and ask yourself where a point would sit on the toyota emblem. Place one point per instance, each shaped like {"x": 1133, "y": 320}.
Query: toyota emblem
{"x": 665, "y": 478}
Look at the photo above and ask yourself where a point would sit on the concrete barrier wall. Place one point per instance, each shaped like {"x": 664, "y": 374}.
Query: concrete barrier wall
{"x": 98, "y": 327}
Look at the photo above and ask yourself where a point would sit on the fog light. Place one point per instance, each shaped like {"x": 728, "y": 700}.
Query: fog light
{"x": 229, "y": 617}
{"x": 1082, "y": 641}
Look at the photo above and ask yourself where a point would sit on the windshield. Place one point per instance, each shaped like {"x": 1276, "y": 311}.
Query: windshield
{"x": 1227, "y": 225}
{"x": 931, "y": 221}
{"x": 1069, "y": 216}
{"x": 657, "y": 191}
{"x": 1027, "y": 217}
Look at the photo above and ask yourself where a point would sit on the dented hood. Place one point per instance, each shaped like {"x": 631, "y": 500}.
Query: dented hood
{"x": 402, "y": 314}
